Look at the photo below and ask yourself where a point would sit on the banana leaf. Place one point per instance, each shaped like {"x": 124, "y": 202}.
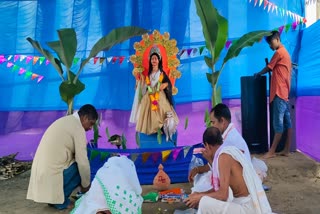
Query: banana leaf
{"x": 123, "y": 141}
{"x": 54, "y": 61}
{"x": 107, "y": 133}
{"x": 159, "y": 136}
{"x": 222, "y": 36}
{"x": 216, "y": 96}
{"x": 68, "y": 44}
{"x": 138, "y": 139}
{"x": 186, "y": 122}
{"x": 66, "y": 47}
{"x": 213, "y": 78}
{"x": 115, "y": 37}
{"x": 208, "y": 16}
{"x": 209, "y": 62}
{"x": 68, "y": 90}
{"x": 206, "y": 116}
{"x": 246, "y": 40}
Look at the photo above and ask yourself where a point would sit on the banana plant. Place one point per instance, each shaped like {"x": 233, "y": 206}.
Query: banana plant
{"x": 215, "y": 31}
{"x": 66, "y": 48}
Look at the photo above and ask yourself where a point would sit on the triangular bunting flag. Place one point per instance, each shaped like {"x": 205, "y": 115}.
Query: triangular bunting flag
{"x": 102, "y": 60}
{"x": 42, "y": 58}
{"x": 16, "y": 57}
{"x": 273, "y": 7}
{"x": 15, "y": 68}
{"x": 145, "y": 156}
{"x": 175, "y": 153}
{"x": 260, "y": 2}
{"x": 165, "y": 155}
{"x": 185, "y": 150}
{"x": 109, "y": 59}
{"x": 35, "y": 59}
{"x": 287, "y": 27}
{"x": 10, "y": 64}
{"x": 181, "y": 52}
{"x": 265, "y": 3}
{"x": 189, "y": 51}
{"x": 9, "y": 57}
{"x": 27, "y": 74}
{"x": 255, "y": 2}
{"x": 93, "y": 154}
{"x": 76, "y": 60}
{"x": 95, "y": 59}
{"x": 194, "y": 51}
{"x": 134, "y": 156}
{"x": 121, "y": 58}
{"x": 294, "y": 25}
{"x": 33, "y": 76}
{"x": 281, "y": 29}
{"x": 114, "y": 59}
{"x": 22, "y": 57}
{"x": 39, "y": 78}
{"x": 2, "y": 59}
{"x": 104, "y": 155}
{"x": 47, "y": 62}
{"x": 28, "y": 59}
{"x": 201, "y": 49}
{"x": 269, "y": 6}
{"x": 228, "y": 43}
{"x": 21, "y": 71}
{"x": 155, "y": 156}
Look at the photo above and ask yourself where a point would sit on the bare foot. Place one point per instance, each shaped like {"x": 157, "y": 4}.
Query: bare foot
{"x": 283, "y": 153}
{"x": 268, "y": 155}
{"x": 71, "y": 205}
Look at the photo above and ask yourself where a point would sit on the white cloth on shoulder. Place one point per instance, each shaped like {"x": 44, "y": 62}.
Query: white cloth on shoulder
{"x": 254, "y": 184}
{"x": 115, "y": 187}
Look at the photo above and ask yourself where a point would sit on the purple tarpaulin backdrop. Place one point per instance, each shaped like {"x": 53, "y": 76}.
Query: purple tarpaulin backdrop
{"x": 308, "y": 126}
{"x": 22, "y": 131}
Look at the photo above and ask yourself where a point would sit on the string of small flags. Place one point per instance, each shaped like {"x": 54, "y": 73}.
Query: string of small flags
{"x": 278, "y": 10}
{"x": 21, "y": 71}
{"x": 153, "y": 156}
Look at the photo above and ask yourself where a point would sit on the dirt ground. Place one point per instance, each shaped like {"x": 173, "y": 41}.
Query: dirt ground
{"x": 294, "y": 181}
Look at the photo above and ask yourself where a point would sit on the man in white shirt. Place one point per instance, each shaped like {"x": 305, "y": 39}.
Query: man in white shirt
{"x": 220, "y": 117}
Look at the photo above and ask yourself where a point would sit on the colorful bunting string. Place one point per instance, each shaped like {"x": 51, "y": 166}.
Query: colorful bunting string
{"x": 183, "y": 53}
{"x": 270, "y": 6}
{"x": 21, "y": 71}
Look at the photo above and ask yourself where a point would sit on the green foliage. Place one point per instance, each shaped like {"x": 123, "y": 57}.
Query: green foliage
{"x": 159, "y": 136}
{"x": 186, "y": 122}
{"x": 207, "y": 118}
{"x": 138, "y": 139}
{"x": 245, "y": 41}
{"x": 65, "y": 50}
{"x": 215, "y": 32}
{"x": 123, "y": 141}
{"x": 107, "y": 133}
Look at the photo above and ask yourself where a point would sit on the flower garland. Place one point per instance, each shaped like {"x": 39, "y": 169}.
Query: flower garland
{"x": 154, "y": 96}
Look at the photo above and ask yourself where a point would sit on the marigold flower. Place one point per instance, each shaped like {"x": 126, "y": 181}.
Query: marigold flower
{"x": 161, "y": 77}
{"x": 147, "y": 80}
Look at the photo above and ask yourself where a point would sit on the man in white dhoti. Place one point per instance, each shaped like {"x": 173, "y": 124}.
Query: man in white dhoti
{"x": 220, "y": 117}
{"x": 230, "y": 169}
{"x": 115, "y": 189}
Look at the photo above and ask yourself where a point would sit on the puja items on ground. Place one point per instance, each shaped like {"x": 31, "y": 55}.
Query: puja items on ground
{"x": 173, "y": 195}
